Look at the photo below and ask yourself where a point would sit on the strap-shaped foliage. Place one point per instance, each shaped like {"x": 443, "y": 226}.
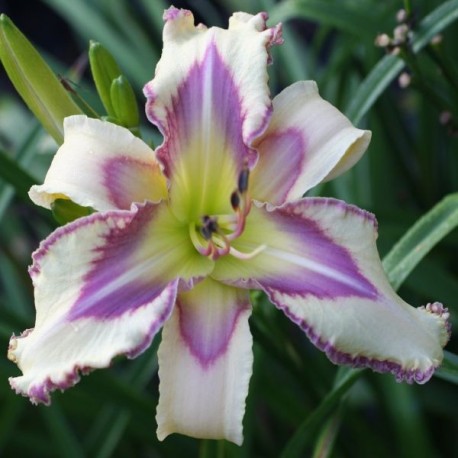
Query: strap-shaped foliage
{"x": 36, "y": 83}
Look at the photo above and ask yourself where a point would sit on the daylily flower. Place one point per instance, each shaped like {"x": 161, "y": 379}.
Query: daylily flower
{"x": 182, "y": 233}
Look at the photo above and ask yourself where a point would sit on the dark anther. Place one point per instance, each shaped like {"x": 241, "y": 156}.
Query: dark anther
{"x": 243, "y": 180}
{"x": 235, "y": 200}
{"x": 209, "y": 226}
{"x": 206, "y": 232}
{"x": 212, "y": 225}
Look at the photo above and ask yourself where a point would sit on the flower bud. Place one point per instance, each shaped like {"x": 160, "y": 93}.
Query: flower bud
{"x": 124, "y": 102}
{"x": 104, "y": 70}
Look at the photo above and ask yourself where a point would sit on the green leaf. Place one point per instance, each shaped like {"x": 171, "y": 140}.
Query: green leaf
{"x": 90, "y": 23}
{"x": 449, "y": 369}
{"x": 154, "y": 12}
{"x": 327, "y": 437}
{"x": 408, "y": 422}
{"x": 388, "y": 68}
{"x": 34, "y": 80}
{"x": 104, "y": 70}
{"x": 15, "y": 175}
{"x": 307, "y": 430}
{"x": 336, "y": 14}
{"x": 22, "y": 160}
{"x": 420, "y": 239}
{"x": 110, "y": 424}
{"x": 12, "y": 409}
{"x": 62, "y": 435}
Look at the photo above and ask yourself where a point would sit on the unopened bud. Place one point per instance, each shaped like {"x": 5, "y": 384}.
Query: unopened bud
{"x": 401, "y": 16}
{"x": 404, "y": 80}
{"x": 104, "y": 70}
{"x": 124, "y": 102}
{"x": 436, "y": 40}
{"x": 400, "y": 32}
{"x": 445, "y": 117}
{"x": 382, "y": 40}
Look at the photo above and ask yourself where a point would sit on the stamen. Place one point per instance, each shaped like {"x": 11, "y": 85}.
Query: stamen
{"x": 205, "y": 232}
{"x": 222, "y": 243}
{"x": 244, "y": 256}
{"x": 213, "y": 236}
{"x": 209, "y": 227}
{"x": 228, "y": 222}
{"x": 235, "y": 200}
{"x": 200, "y": 247}
{"x": 242, "y": 184}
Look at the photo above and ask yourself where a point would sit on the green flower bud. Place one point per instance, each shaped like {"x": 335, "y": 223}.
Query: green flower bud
{"x": 104, "y": 70}
{"x": 124, "y": 102}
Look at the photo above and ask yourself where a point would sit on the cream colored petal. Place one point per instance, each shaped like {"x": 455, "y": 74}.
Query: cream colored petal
{"x": 319, "y": 264}
{"x": 307, "y": 141}
{"x": 205, "y": 364}
{"x": 101, "y": 165}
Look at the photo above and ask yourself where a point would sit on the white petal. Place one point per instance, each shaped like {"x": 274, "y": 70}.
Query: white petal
{"x": 319, "y": 264}
{"x": 104, "y": 285}
{"x": 307, "y": 141}
{"x": 210, "y": 99}
{"x": 205, "y": 364}
{"x": 101, "y": 165}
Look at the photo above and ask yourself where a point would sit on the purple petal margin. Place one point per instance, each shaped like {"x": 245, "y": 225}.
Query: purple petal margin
{"x": 341, "y": 358}
{"x": 40, "y": 394}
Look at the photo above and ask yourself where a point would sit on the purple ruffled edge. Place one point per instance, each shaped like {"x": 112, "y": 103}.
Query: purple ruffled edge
{"x": 40, "y": 394}
{"x": 338, "y": 357}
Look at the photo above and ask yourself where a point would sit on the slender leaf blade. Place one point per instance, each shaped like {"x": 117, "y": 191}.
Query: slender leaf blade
{"x": 420, "y": 239}
{"x": 15, "y": 175}
{"x": 308, "y": 429}
{"x": 34, "y": 80}
{"x": 335, "y": 14}
{"x": 449, "y": 369}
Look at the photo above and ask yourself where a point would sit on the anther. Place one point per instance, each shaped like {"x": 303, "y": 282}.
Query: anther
{"x": 209, "y": 227}
{"x": 242, "y": 183}
{"x": 235, "y": 200}
{"x": 205, "y": 232}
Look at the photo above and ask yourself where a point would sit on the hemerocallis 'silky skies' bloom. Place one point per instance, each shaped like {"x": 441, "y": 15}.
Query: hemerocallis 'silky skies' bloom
{"x": 181, "y": 235}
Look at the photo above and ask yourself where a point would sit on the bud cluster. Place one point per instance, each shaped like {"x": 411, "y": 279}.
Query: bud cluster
{"x": 402, "y": 34}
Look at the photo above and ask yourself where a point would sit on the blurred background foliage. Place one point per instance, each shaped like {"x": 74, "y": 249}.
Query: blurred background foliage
{"x": 299, "y": 403}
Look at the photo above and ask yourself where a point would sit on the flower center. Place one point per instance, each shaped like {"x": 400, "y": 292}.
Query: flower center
{"x": 213, "y": 234}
